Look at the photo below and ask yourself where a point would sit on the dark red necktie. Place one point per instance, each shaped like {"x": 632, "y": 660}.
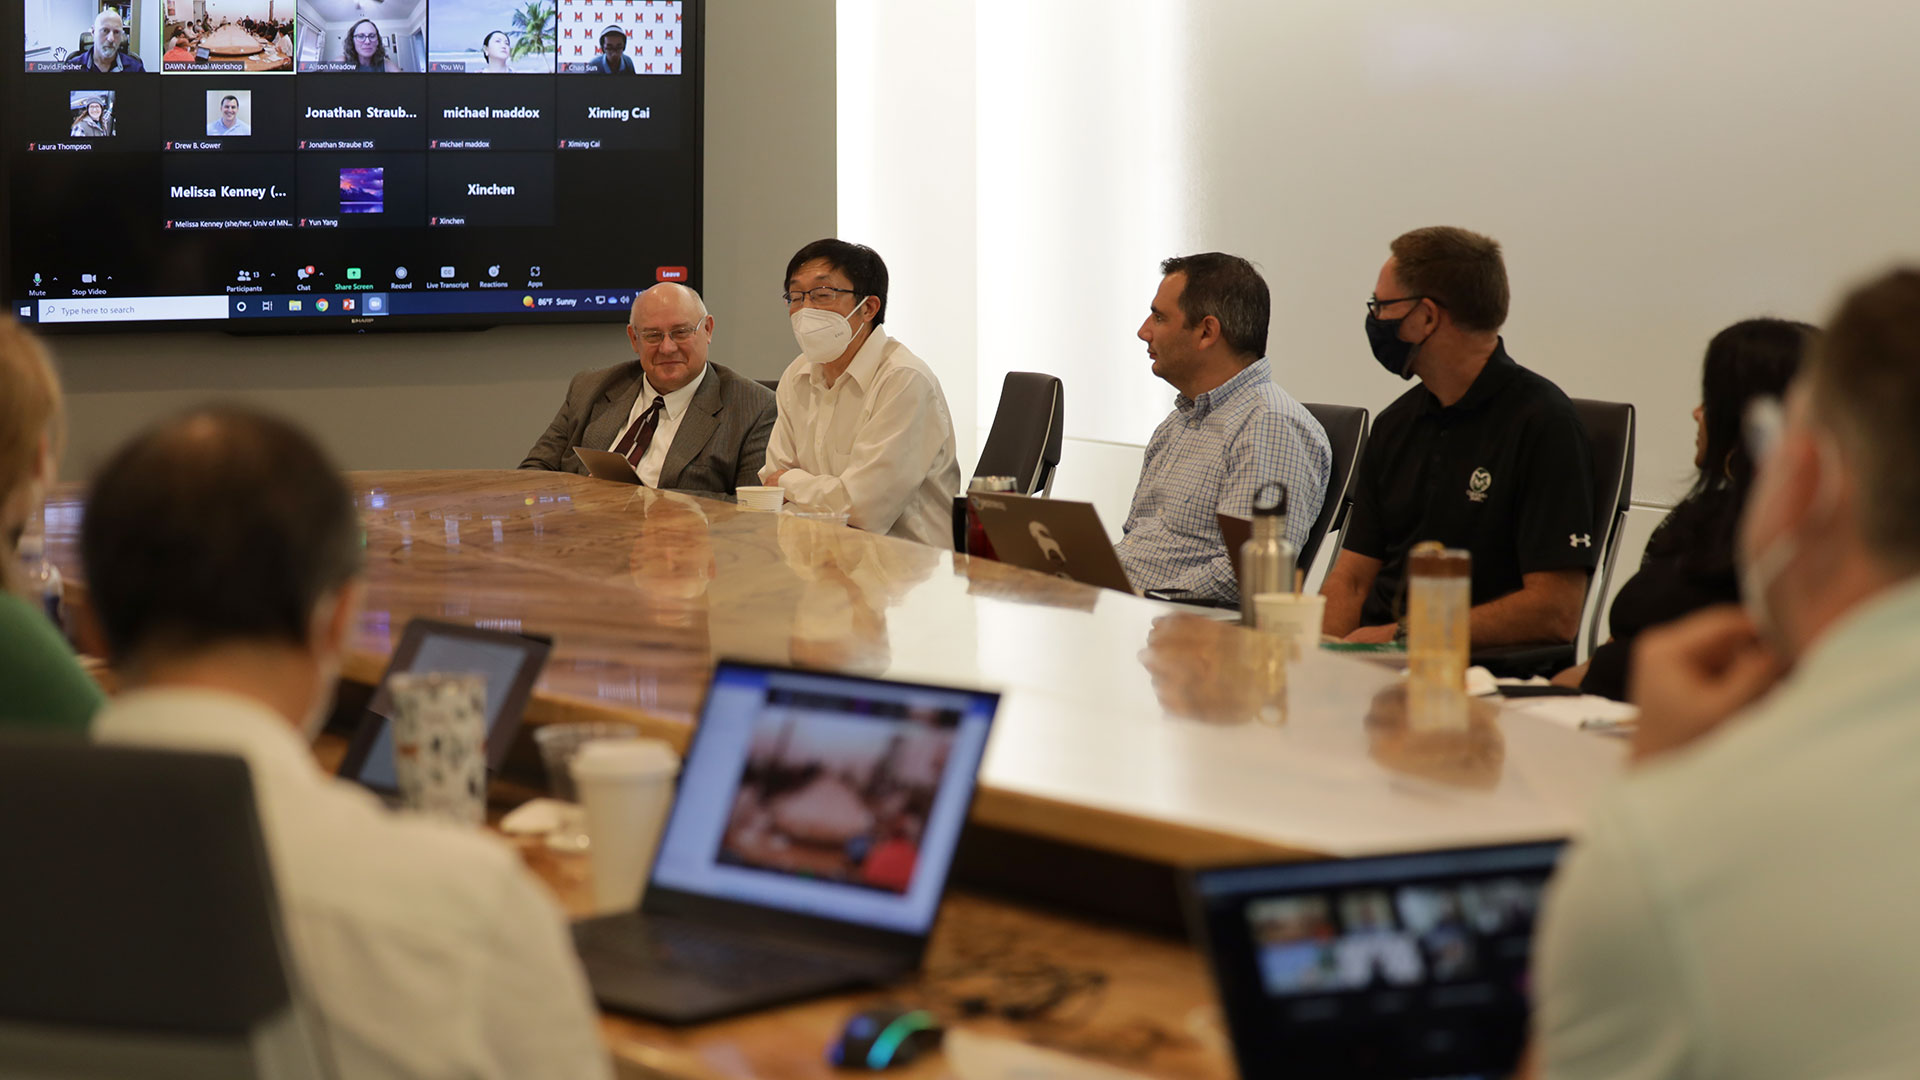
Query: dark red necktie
{"x": 640, "y": 435}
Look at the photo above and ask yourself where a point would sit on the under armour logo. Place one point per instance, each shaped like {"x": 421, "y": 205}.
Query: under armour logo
{"x": 1584, "y": 540}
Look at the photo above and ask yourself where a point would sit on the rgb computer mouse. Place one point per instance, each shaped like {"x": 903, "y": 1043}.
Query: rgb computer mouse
{"x": 880, "y": 1038}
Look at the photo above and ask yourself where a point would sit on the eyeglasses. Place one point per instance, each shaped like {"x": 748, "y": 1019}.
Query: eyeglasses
{"x": 366, "y": 37}
{"x": 821, "y": 295}
{"x": 1375, "y": 305}
{"x": 680, "y": 334}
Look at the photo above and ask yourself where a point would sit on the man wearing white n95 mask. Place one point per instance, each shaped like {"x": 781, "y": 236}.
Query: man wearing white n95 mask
{"x": 863, "y": 426}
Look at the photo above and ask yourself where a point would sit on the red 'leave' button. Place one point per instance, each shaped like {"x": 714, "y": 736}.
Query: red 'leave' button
{"x": 669, "y": 273}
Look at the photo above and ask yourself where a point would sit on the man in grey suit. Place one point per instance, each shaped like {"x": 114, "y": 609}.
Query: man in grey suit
{"x": 682, "y": 422}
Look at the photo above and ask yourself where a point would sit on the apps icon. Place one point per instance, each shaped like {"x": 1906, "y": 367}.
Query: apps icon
{"x": 446, "y": 271}
{"x": 535, "y": 271}
{"x": 353, "y": 273}
{"x": 319, "y": 305}
{"x": 295, "y": 305}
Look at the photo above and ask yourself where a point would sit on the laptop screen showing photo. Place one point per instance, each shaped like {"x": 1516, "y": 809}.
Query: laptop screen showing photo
{"x": 1400, "y": 967}
{"x": 826, "y": 795}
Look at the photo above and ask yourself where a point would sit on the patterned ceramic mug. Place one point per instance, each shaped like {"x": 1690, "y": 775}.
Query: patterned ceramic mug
{"x": 440, "y": 743}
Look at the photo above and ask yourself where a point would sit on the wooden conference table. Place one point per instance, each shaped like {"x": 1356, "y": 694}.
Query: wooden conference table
{"x": 1127, "y": 727}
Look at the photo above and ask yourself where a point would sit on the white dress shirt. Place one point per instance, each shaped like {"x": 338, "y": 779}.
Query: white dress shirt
{"x": 877, "y": 445}
{"x": 1743, "y": 907}
{"x": 429, "y": 949}
{"x": 671, "y": 414}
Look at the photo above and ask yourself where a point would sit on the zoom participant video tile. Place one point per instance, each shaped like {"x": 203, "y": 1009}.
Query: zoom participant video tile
{"x": 489, "y": 189}
{"x": 348, "y": 112}
{"x": 229, "y": 191}
{"x": 491, "y": 37}
{"x": 92, "y": 115}
{"x": 235, "y": 37}
{"x": 93, "y": 38}
{"x": 619, "y": 114}
{"x": 356, "y": 40}
{"x": 469, "y": 112}
{"x": 226, "y": 114}
{"x": 363, "y": 191}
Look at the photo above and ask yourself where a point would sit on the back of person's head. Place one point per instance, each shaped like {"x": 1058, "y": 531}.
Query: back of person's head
{"x": 31, "y": 431}
{"x": 222, "y": 526}
{"x": 1461, "y": 271}
{"x": 1228, "y": 288}
{"x": 865, "y": 270}
{"x": 1863, "y": 380}
{"x": 1755, "y": 358}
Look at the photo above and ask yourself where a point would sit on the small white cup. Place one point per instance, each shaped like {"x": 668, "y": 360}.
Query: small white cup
{"x": 760, "y": 498}
{"x": 626, "y": 786}
{"x": 1293, "y": 616}
{"x": 440, "y": 743}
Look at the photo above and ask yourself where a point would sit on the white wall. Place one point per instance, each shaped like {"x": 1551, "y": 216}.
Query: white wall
{"x": 1654, "y": 170}
{"x": 478, "y": 400}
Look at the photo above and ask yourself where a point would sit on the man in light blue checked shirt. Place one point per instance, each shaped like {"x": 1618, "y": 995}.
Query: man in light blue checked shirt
{"x": 1231, "y": 431}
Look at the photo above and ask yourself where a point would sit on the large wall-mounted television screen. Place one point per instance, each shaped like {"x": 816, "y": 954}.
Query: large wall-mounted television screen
{"x": 301, "y": 165}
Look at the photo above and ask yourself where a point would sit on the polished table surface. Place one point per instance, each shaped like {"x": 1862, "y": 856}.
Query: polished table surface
{"x": 1125, "y": 725}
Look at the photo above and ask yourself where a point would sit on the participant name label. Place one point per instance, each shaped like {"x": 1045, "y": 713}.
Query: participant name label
{"x": 516, "y": 112}
{"x": 370, "y": 112}
{"x": 224, "y": 191}
{"x": 596, "y": 112}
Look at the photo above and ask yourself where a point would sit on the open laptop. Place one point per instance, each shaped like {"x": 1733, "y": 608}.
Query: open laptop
{"x": 510, "y": 662}
{"x": 607, "y": 465}
{"x": 1393, "y": 968}
{"x": 1053, "y": 536}
{"x": 808, "y": 846}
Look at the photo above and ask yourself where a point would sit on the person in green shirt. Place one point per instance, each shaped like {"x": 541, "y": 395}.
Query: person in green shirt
{"x": 41, "y": 683}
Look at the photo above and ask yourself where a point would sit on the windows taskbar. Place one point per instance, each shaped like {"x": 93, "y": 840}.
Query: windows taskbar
{"x": 348, "y": 305}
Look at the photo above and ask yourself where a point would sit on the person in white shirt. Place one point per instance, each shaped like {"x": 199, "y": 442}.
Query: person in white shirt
{"x": 1740, "y": 905}
{"x": 863, "y": 427}
{"x": 222, "y": 554}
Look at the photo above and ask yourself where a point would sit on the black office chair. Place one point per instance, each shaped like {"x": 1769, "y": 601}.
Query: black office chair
{"x": 139, "y": 931}
{"x": 1346, "y": 427}
{"x": 1610, "y": 432}
{"x": 1028, "y": 426}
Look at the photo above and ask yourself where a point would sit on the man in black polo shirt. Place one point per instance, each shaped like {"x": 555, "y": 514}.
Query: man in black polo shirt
{"x": 1483, "y": 455}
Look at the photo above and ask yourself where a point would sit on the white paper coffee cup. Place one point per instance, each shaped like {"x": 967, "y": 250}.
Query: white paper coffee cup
{"x": 626, "y": 786}
{"x": 440, "y": 743}
{"x": 760, "y": 498}
{"x": 1293, "y": 616}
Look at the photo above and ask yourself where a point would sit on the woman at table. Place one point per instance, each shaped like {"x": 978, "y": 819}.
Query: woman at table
{"x": 497, "y": 48}
{"x": 1689, "y": 560}
{"x": 41, "y": 684}
{"x": 366, "y": 49}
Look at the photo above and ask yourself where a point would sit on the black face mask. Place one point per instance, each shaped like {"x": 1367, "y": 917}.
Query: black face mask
{"x": 1394, "y": 355}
